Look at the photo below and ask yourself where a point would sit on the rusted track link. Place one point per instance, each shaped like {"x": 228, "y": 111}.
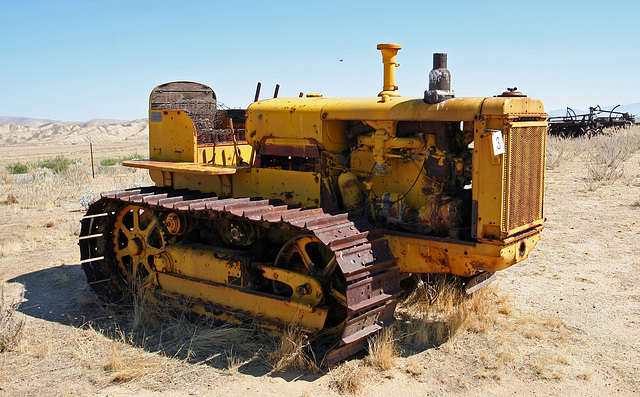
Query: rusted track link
{"x": 367, "y": 264}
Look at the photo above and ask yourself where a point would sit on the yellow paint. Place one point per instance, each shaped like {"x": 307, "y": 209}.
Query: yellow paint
{"x": 201, "y": 262}
{"x": 262, "y": 307}
{"x": 436, "y": 255}
{"x": 306, "y": 289}
{"x": 173, "y": 138}
{"x": 292, "y": 187}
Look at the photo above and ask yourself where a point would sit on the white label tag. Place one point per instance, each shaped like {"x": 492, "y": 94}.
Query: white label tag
{"x": 497, "y": 142}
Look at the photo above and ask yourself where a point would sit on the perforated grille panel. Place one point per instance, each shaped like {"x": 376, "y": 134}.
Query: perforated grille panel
{"x": 524, "y": 176}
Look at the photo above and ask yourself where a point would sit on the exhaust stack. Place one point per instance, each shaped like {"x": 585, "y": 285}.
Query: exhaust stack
{"x": 389, "y": 52}
{"x": 439, "y": 81}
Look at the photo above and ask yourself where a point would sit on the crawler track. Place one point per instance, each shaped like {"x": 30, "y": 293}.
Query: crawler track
{"x": 366, "y": 262}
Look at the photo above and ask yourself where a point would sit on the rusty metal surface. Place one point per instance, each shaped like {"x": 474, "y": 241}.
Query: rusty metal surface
{"x": 199, "y": 102}
{"x": 439, "y": 81}
{"x": 372, "y": 287}
{"x": 477, "y": 282}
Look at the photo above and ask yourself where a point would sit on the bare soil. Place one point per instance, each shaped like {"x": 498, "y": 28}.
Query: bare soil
{"x": 567, "y": 320}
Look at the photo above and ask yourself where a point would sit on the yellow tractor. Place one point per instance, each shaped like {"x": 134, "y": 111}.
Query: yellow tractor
{"x": 309, "y": 211}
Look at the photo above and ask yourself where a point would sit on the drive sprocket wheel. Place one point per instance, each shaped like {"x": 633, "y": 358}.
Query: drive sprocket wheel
{"x": 306, "y": 254}
{"x": 138, "y": 237}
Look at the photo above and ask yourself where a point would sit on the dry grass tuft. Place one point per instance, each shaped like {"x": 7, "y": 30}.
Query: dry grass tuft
{"x": 438, "y": 308}
{"x": 9, "y": 247}
{"x": 10, "y": 324}
{"x": 293, "y": 353}
{"x": 145, "y": 315}
{"x": 11, "y": 199}
{"x": 383, "y": 352}
{"x": 233, "y": 362}
{"x": 349, "y": 378}
{"x": 5, "y": 176}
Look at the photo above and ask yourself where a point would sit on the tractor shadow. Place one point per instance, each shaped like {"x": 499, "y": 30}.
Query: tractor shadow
{"x": 61, "y": 294}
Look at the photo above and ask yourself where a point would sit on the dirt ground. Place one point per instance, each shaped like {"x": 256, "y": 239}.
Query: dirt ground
{"x": 568, "y": 321}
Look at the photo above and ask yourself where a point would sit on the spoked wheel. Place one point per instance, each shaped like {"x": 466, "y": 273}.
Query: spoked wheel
{"x": 306, "y": 254}
{"x": 137, "y": 238}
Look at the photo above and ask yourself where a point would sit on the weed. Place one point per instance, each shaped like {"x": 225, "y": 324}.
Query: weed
{"x": 293, "y": 352}
{"x": 10, "y": 324}
{"x": 9, "y": 247}
{"x": 233, "y": 362}
{"x": 383, "y": 352}
{"x": 605, "y": 164}
{"x": 58, "y": 164}
{"x": 555, "y": 153}
{"x": 109, "y": 161}
{"x": 605, "y": 160}
{"x": 349, "y": 378}
{"x": 17, "y": 168}
{"x": 414, "y": 368}
{"x": 437, "y": 308}
{"x": 11, "y": 199}
{"x": 86, "y": 199}
{"x": 5, "y": 176}
{"x": 126, "y": 363}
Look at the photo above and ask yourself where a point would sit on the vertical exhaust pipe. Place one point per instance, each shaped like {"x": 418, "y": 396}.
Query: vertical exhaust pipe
{"x": 439, "y": 81}
{"x": 389, "y": 52}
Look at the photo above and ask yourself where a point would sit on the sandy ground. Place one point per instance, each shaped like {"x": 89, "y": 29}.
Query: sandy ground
{"x": 569, "y": 323}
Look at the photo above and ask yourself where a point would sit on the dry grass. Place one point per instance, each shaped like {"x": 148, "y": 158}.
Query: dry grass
{"x": 603, "y": 155}
{"x": 437, "y": 309}
{"x": 293, "y": 353}
{"x": 5, "y": 176}
{"x": 234, "y": 362}
{"x": 486, "y": 328}
{"x": 555, "y": 152}
{"x": 125, "y": 363}
{"x": 179, "y": 334}
{"x": 348, "y": 378}
{"x": 11, "y": 324}
{"x": 608, "y": 152}
{"x": 9, "y": 247}
{"x": 45, "y": 189}
{"x": 118, "y": 360}
{"x": 382, "y": 349}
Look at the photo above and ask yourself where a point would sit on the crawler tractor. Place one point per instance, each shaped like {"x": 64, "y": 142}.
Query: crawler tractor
{"x": 310, "y": 211}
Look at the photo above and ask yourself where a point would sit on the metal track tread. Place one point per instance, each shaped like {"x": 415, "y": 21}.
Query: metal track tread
{"x": 373, "y": 284}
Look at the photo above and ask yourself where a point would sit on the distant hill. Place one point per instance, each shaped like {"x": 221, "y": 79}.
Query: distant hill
{"x": 26, "y": 121}
{"x": 633, "y": 108}
{"x": 31, "y": 122}
{"x": 68, "y": 133}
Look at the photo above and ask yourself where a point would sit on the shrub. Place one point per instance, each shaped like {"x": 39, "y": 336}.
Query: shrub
{"x": 109, "y": 161}
{"x": 57, "y": 164}
{"x": 17, "y": 168}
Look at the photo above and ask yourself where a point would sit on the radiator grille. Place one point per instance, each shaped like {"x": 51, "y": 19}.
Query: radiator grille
{"x": 524, "y": 176}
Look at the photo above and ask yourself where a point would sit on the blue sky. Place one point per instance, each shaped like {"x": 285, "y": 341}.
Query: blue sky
{"x": 78, "y": 60}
